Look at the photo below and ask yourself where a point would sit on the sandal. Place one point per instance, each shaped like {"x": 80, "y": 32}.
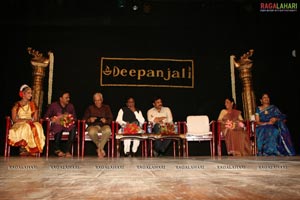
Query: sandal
{"x": 34, "y": 154}
{"x": 59, "y": 153}
{"x": 68, "y": 155}
{"x": 24, "y": 153}
{"x": 101, "y": 153}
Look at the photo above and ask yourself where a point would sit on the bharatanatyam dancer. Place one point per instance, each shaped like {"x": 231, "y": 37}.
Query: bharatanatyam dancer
{"x": 26, "y": 132}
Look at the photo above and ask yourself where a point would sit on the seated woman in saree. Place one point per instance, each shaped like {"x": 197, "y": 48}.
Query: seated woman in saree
{"x": 26, "y": 132}
{"x": 237, "y": 139}
{"x": 272, "y": 135}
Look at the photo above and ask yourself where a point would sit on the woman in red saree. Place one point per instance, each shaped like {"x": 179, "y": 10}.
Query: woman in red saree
{"x": 232, "y": 127}
{"x": 26, "y": 132}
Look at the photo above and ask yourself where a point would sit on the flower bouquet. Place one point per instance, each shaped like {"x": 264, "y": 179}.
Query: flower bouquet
{"x": 131, "y": 128}
{"x": 233, "y": 125}
{"x": 167, "y": 128}
{"x": 66, "y": 120}
{"x": 229, "y": 124}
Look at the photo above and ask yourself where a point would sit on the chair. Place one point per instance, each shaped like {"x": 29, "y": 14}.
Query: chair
{"x": 140, "y": 136}
{"x": 86, "y": 138}
{"x": 252, "y": 132}
{"x": 250, "y": 128}
{"x": 8, "y": 124}
{"x": 198, "y": 128}
{"x": 175, "y": 138}
{"x": 64, "y": 137}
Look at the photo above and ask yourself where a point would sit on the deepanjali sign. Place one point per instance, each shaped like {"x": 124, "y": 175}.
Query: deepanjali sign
{"x": 147, "y": 72}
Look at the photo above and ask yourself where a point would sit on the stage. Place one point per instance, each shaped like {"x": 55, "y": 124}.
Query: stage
{"x": 150, "y": 178}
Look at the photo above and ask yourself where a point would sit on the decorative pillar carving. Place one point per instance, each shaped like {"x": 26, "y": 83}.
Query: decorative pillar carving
{"x": 39, "y": 64}
{"x": 244, "y": 65}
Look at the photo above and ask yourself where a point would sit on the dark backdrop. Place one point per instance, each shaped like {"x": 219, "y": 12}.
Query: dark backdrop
{"x": 81, "y": 32}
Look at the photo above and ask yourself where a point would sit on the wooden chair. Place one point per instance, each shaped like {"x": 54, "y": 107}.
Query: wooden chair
{"x": 8, "y": 125}
{"x": 64, "y": 137}
{"x": 199, "y": 128}
{"x": 250, "y": 128}
{"x": 85, "y": 138}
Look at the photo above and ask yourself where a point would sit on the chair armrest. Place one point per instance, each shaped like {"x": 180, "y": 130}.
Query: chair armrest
{"x": 212, "y": 125}
{"x": 182, "y": 128}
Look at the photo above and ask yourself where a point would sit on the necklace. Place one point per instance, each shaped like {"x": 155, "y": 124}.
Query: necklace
{"x": 264, "y": 109}
{"x": 266, "y": 112}
{"x": 22, "y": 107}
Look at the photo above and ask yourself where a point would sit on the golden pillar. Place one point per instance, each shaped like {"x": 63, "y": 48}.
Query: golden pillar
{"x": 244, "y": 65}
{"x": 39, "y": 64}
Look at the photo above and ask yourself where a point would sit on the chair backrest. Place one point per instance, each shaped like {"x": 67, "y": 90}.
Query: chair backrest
{"x": 198, "y": 125}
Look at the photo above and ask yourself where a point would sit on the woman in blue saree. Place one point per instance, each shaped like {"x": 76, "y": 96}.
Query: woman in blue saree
{"x": 273, "y": 136}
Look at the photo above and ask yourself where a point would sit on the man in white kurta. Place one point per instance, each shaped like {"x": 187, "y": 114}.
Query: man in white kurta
{"x": 130, "y": 114}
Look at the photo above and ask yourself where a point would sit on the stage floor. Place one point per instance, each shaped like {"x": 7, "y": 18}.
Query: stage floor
{"x": 150, "y": 178}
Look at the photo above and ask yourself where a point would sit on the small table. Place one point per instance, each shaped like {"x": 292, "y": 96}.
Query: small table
{"x": 175, "y": 137}
{"x": 140, "y": 136}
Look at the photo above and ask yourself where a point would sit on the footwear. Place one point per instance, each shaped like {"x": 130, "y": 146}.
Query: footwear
{"x": 259, "y": 154}
{"x": 101, "y": 153}
{"x": 155, "y": 153}
{"x": 68, "y": 155}
{"x": 237, "y": 154}
{"x": 133, "y": 154}
{"x": 59, "y": 153}
{"x": 161, "y": 153}
{"x": 24, "y": 153}
{"x": 34, "y": 154}
{"x": 127, "y": 154}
